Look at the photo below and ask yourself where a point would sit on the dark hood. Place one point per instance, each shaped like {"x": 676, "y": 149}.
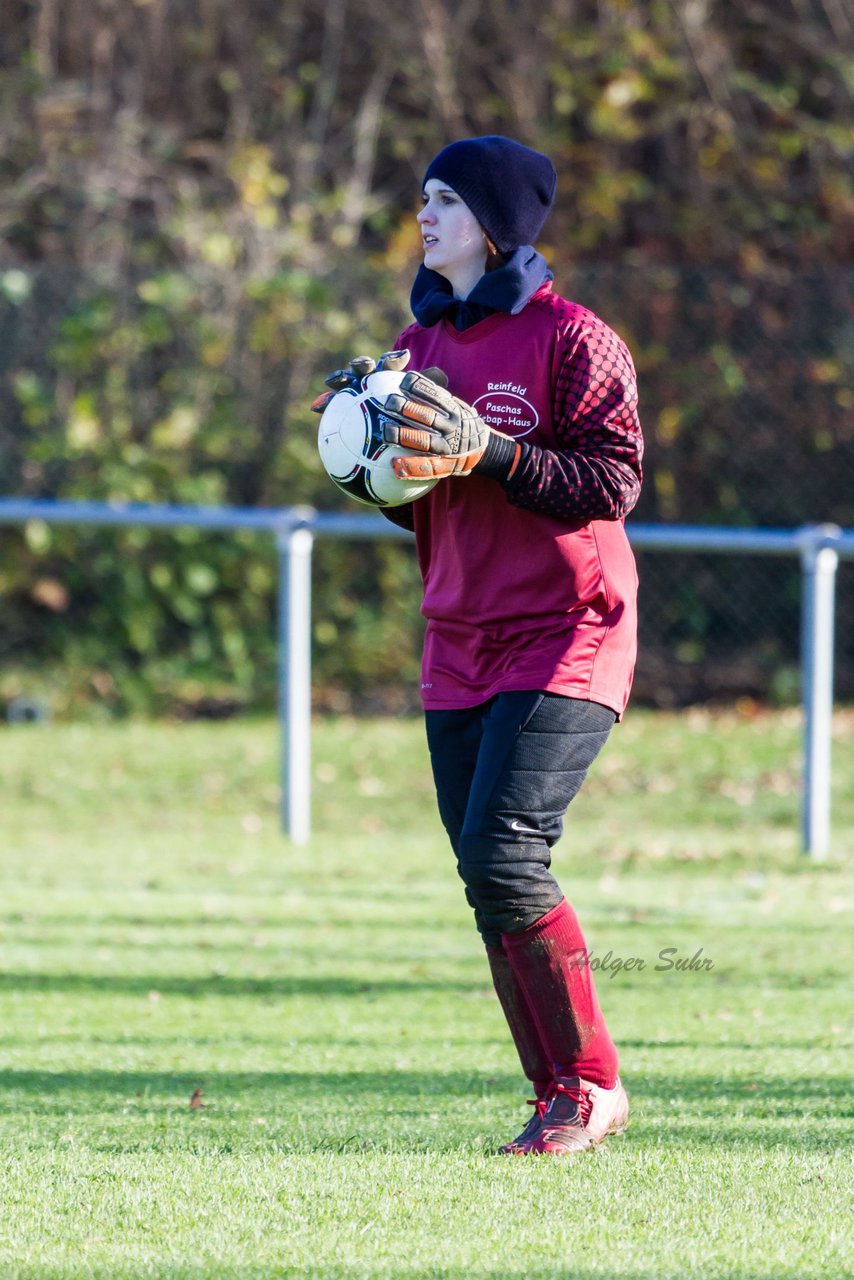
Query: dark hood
{"x": 508, "y": 288}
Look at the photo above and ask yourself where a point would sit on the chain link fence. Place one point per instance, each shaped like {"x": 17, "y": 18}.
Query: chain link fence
{"x": 192, "y": 390}
{"x": 717, "y": 627}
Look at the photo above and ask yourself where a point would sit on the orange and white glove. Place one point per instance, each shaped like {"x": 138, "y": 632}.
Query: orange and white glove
{"x": 451, "y": 434}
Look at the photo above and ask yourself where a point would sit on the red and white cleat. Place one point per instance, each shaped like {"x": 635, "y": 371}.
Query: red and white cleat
{"x": 532, "y": 1128}
{"x": 578, "y": 1116}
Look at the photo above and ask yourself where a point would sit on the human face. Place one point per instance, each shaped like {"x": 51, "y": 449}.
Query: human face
{"x": 453, "y": 239}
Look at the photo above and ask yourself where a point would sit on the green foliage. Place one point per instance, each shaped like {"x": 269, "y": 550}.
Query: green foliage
{"x": 200, "y": 216}
{"x": 171, "y": 393}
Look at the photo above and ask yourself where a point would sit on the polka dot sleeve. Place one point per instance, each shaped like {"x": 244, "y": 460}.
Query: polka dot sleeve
{"x": 595, "y": 473}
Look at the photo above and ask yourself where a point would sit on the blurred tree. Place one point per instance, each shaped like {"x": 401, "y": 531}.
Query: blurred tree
{"x": 204, "y": 207}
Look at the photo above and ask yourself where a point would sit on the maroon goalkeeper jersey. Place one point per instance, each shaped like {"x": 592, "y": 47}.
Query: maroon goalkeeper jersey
{"x": 532, "y": 585}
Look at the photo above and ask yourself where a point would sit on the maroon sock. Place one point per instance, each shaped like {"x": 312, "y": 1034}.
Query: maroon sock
{"x": 549, "y": 960}
{"x": 523, "y": 1028}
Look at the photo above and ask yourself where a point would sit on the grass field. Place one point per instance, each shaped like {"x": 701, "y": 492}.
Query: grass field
{"x": 332, "y": 1006}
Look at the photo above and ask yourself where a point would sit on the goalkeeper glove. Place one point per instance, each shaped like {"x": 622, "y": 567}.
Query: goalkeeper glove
{"x": 450, "y": 433}
{"x": 359, "y": 368}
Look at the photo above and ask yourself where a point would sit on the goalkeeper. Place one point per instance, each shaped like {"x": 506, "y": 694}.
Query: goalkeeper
{"x": 529, "y": 593}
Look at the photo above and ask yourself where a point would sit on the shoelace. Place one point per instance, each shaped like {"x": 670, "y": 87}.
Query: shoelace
{"x": 541, "y": 1105}
{"x": 579, "y": 1095}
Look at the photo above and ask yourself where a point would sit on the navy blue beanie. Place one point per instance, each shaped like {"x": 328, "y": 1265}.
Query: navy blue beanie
{"x": 509, "y": 188}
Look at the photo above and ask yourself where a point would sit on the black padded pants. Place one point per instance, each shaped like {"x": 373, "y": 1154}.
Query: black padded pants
{"x": 505, "y": 772}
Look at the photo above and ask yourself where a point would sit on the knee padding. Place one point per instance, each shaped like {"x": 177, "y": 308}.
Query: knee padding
{"x": 508, "y": 883}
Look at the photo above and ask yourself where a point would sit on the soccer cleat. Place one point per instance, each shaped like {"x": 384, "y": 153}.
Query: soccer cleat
{"x": 531, "y": 1129}
{"x": 578, "y": 1116}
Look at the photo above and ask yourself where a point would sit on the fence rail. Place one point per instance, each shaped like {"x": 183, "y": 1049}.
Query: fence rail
{"x": 818, "y": 547}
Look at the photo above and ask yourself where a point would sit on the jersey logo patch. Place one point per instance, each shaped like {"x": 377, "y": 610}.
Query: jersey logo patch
{"x": 507, "y": 411}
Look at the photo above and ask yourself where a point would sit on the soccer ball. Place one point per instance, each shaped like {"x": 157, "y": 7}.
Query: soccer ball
{"x": 352, "y": 448}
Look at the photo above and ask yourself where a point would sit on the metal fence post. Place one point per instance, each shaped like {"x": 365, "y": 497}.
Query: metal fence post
{"x": 294, "y": 544}
{"x": 818, "y": 563}
{"x": 820, "y": 548}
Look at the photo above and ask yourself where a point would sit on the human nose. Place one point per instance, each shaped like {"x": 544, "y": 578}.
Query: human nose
{"x": 425, "y": 214}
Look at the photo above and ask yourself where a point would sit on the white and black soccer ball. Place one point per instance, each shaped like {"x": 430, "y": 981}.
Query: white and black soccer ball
{"x": 352, "y": 448}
